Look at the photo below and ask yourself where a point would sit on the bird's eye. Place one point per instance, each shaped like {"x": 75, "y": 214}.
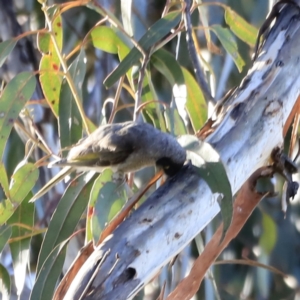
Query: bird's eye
{"x": 170, "y": 168}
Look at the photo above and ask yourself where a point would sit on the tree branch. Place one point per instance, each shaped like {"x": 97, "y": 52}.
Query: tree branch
{"x": 246, "y": 130}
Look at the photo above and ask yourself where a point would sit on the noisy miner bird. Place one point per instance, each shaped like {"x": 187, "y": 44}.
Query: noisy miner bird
{"x": 123, "y": 147}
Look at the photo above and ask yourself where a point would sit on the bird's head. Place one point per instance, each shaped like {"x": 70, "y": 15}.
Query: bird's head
{"x": 169, "y": 166}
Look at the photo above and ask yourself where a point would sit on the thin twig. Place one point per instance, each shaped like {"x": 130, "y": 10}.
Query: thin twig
{"x": 116, "y": 100}
{"x": 193, "y": 54}
{"x": 138, "y": 94}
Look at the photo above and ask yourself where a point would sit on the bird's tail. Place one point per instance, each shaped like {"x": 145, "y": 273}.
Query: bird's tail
{"x": 52, "y": 182}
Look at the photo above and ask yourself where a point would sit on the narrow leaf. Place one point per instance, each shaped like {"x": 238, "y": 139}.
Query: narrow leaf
{"x": 50, "y": 79}
{"x": 268, "y": 238}
{"x": 126, "y": 16}
{"x": 4, "y": 283}
{"x": 208, "y": 165}
{"x": 22, "y": 181}
{"x": 43, "y": 42}
{"x": 188, "y": 96}
{"x": 5, "y": 234}
{"x": 70, "y": 122}
{"x": 67, "y": 215}
{"x": 24, "y": 214}
{"x": 6, "y": 210}
{"x": 241, "y": 28}
{"x": 154, "y": 34}
{"x": 228, "y": 42}
{"x": 196, "y": 105}
{"x": 6, "y": 48}
{"x": 51, "y": 270}
{"x": 106, "y": 39}
{"x": 106, "y": 200}
{"x": 15, "y": 95}
{"x": 57, "y": 29}
{"x": 4, "y": 180}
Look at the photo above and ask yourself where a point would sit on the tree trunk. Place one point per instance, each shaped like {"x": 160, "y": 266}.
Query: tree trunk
{"x": 249, "y": 127}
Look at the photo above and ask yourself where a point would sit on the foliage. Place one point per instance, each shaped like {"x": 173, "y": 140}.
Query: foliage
{"x": 84, "y": 64}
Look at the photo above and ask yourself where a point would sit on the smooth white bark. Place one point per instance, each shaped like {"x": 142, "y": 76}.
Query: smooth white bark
{"x": 247, "y": 131}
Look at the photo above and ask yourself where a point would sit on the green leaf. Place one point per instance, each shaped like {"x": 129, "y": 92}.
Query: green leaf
{"x": 50, "y": 78}
{"x": 4, "y": 283}
{"x": 106, "y": 39}
{"x": 57, "y": 30}
{"x": 51, "y": 270}
{"x": 151, "y": 111}
{"x": 15, "y": 95}
{"x": 24, "y": 214}
{"x": 5, "y": 234}
{"x": 106, "y": 200}
{"x": 186, "y": 90}
{"x": 70, "y": 122}
{"x": 126, "y": 11}
{"x": 196, "y": 105}
{"x": 154, "y": 34}
{"x": 228, "y": 42}
{"x": 67, "y": 215}
{"x": 44, "y": 42}
{"x": 208, "y": 165}
{"x": 22, "y": 181}
{"x": 6, "y": 48}
{"x": 4, "y": 179}
{"x": 241, "y": 28}
{"x": 6, "y": 210}
{"x": 268, "y": 238}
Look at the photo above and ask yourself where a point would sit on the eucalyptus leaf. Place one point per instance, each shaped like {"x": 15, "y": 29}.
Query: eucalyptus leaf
{"x": 13, "y": 98}
{"x": 20, "y": 248}
{"x": 228, "y": 42}
{"x": 241, "y": 28}
{"x": 268, "y": 238}
{"x": 70, "y": 122}
{"x": 6, "y": 48}
{"x": 208, "y": 165}
{"x": 51, "y": 270}
{"x": 107, "y": 198}
{"x": 50, "y": 78}
{"x": 126, "y": 11}
{"x": 154, "y": 34}
{"x": 186, "y": 91}
{"x": 67, "y": 215}
{"x": 4, "y": 180}
{"x": 5, "y": 234}
{"x": 4, "y": 283}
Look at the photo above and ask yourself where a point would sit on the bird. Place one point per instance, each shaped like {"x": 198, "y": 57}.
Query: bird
{"x": 123, "y": 147}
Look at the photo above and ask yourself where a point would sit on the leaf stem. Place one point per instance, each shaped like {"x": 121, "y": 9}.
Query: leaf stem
{"x": 193, "y": 54}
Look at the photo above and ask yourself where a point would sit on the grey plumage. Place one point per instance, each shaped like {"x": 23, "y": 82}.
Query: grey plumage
{"x": 125, "y": 147}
